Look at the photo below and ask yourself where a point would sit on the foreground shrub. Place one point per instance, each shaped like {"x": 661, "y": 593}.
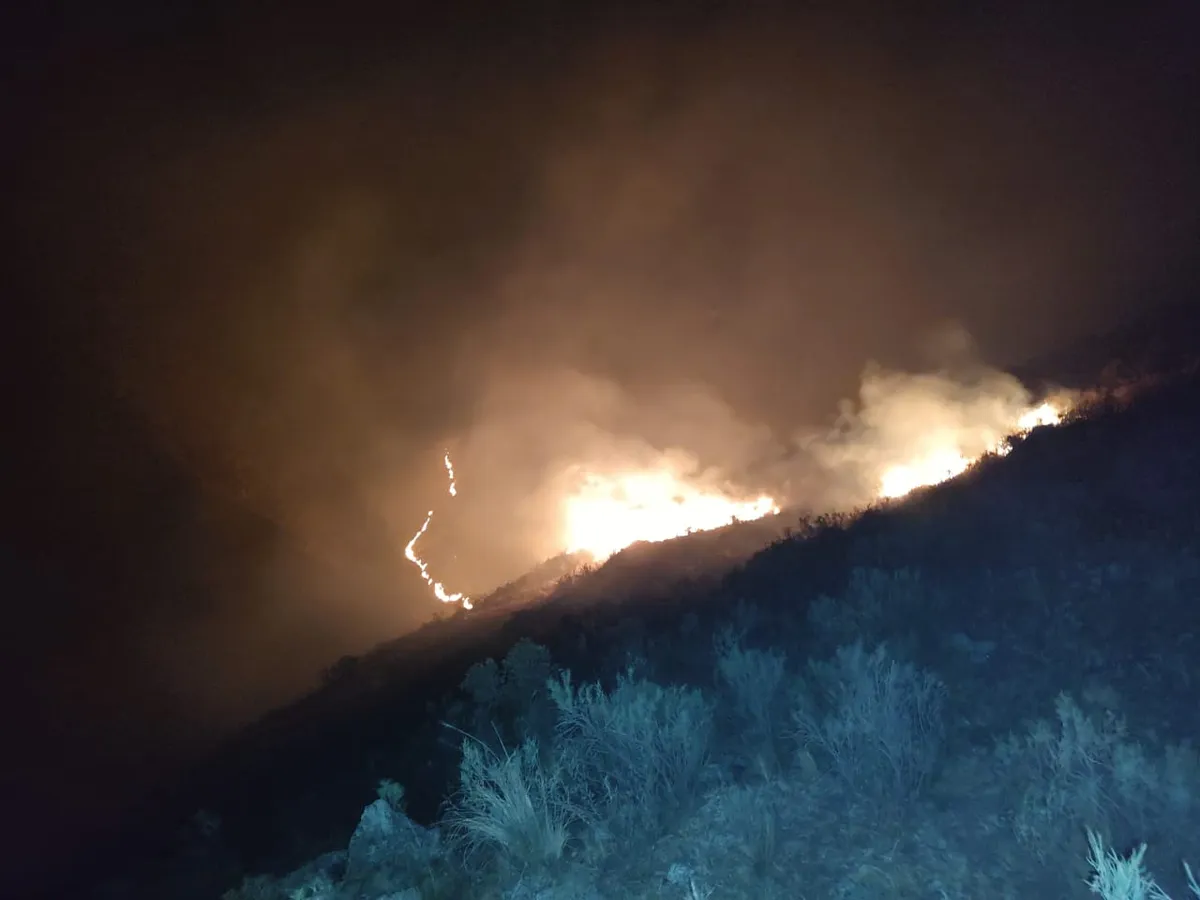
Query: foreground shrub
{"x": 509, "y": 697}
{"x": 1116, "y": 877}
{"x": 635, "y": 755}
{"x": 877, "y": 721}
{"x": 1083, "y": 770}
{"x": 754, "y": 679}
{"x": 512, "y": 804}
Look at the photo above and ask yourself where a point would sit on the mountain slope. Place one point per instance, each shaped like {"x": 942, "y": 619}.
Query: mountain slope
{"x": 1119, "y": 487}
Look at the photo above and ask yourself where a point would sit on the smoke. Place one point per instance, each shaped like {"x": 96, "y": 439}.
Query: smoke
{"x": 683, "y": 243}
{"x": 905, "y": 419}
{"x": 536, "y": 436}
{"x": 295, "y": 282}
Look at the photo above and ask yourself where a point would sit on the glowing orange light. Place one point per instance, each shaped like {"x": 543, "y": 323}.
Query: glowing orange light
{"x": 410, "y": 551}
{"x": 949, "y": 460}
{"x": 608, "y": 513}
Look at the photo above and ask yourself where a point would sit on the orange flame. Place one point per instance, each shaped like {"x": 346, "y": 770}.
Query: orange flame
{"x": 608, "y": 513}
{"x": 945, "y": 462}
{"x": 410, "y": 552}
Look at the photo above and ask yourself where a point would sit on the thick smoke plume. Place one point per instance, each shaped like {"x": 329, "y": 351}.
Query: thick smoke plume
{"x": 535, "y": 438}
{"x": 684, "y": 243}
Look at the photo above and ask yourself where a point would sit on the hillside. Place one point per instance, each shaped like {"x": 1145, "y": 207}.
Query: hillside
{"x": 1067, "y": 566}
{"x": 534, "y": 605}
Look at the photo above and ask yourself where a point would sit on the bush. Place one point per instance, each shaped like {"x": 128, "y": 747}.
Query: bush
{"x": 1085, "y": 771}
{"x": 635, "y": 754}
{"x": 1068, "y": 770}
{"x": 876, "y": 604}
{"x": 509, "y": 696}
{"x": 511, "y": 803}
{"x": 879, "y": 722}
{"x": 1116, "y": 877}
{"x": 754, "y": 678}
{"x": 1120, "y": 878}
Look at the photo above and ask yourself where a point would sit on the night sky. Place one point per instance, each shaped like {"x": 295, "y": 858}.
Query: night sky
{"x": 266, "y": 267}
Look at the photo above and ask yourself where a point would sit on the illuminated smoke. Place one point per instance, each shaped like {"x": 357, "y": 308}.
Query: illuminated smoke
{"x": 946, "y": 462}
{"x": 410, "y": 552}
{"x": 608, "y": 513}
{"x": 575, "y": 462}
{"x": 914, "y": 430}
{"x": 579, "y": 464}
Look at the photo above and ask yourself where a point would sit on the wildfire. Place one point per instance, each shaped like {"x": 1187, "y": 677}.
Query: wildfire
{"x": 608, "y": 513}
{"x": 604, "y": 511}
{"x": 410, "y": 551}
{"x": 942, "y": 463}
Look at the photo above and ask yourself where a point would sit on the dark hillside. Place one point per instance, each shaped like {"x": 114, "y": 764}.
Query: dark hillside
{"x": 1103, "y": 503}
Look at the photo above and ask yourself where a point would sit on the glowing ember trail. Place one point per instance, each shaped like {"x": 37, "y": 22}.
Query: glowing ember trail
{"x": 608, "y": 513}
{"x": 410, "y": 552}
{"x": 942, "y": 463}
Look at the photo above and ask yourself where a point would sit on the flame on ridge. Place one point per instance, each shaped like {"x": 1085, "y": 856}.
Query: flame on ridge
{"x": 410, "y": 552}
{"x": 608, "y": 513}
{"x": 944, "y": 463}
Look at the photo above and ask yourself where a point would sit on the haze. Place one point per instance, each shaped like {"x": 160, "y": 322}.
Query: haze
{"x": 271, "y": 283}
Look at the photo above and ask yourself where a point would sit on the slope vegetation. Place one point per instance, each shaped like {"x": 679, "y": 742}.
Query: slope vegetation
{"x": 937, "y": 697}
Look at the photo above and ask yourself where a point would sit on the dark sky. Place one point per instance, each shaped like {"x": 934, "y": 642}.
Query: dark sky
{"x": 270, "y": 264}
